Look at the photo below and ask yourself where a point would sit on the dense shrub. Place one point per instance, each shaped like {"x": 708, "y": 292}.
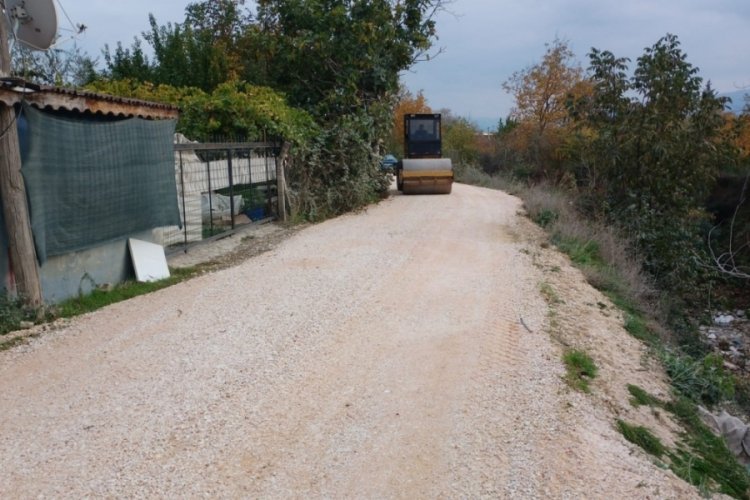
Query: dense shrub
{"x": 233, "y": 110}
{"x": 704, "y": 381}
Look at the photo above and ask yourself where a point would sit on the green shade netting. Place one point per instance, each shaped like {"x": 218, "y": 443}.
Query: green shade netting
{"x": 90, "y": 180}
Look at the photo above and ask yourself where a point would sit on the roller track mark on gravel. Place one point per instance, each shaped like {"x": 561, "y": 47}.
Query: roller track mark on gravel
{"x": 407, "y": 370}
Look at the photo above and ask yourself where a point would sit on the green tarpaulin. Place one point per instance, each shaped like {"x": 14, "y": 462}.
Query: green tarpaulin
{"x": 90, "y": 180}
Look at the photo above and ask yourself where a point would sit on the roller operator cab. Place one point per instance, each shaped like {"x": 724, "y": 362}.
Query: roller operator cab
{"x": 423, "y": 169}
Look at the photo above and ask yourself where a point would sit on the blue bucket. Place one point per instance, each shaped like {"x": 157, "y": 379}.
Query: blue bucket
{"x": 256, "y": 213}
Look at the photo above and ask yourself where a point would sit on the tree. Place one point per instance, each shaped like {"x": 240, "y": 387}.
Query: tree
{"x": 737, "y": 128}
{"x": 542, "y": 92}
{"x": 179, "y": 46}
{"x": 203, "y": 51}
{"x": 407, "y": 103}
{"x": 459, "y": 140}
{"x": 54, "y": 66}
{"x": 128, "y": 64}
{"x": 225, "y": 20}
{"x": 340, "y": 60}
{"x": 232, "y": 109}
{"x": 655, "y": 144}
{"x": 224, "y": 24}
{"x": 334, "y": 57}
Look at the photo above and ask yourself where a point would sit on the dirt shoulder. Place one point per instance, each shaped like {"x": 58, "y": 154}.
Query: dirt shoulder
{"x": 233, "y": 249}
{"x": 405, "y": 351}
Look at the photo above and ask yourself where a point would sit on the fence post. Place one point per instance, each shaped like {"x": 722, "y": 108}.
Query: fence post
{"x": 281, "y": 182}
{"x": 210, "y": 199}
{"x": 268, "y": 178}
{"x": 184, "y": 210}
{"x": 231, "y": 187}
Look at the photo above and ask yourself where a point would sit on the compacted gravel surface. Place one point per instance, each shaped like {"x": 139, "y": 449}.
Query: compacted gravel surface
{"x": 377, "y": 355}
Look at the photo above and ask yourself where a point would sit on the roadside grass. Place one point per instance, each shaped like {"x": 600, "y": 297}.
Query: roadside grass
{"x": 580, "y": 368}
{"x": 124, "y": 291}
{"x": 476, "y": 177}
{"x": 704, "y": 459}
{"x": 597, "y": 249}
{"x": 12, "y": 311}
{"x": 642, "y": 398}
{"x": 642, "y": 437}
{"x": 701, "y": 458}
{"x": 635, "y": 325}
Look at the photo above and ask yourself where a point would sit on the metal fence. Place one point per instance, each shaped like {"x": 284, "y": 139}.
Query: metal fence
{"x": 221, "y": 186}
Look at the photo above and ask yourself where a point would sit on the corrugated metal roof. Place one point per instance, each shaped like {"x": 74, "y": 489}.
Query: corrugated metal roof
{"x": 13, "y": 91}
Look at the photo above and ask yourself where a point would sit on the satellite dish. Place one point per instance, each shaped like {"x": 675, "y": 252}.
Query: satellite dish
{"x": 34, "y": 22}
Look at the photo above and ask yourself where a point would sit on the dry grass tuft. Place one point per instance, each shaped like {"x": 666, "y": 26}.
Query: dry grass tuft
{"x": 601, "y": 252}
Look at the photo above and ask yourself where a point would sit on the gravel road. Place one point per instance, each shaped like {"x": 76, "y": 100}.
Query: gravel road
{"x": 377, "y": 355}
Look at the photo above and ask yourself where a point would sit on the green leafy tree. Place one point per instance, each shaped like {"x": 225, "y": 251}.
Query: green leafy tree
{"x": 203, "y": 51}
{"x": 340, "y": 60}
{"x": 128, "y": 63}
{"x": 459, "y": 141}
{"x": 654, "y": 144}
{"x": 336, "y": 56}
{"x": 233, "y": 109}
{"x": 177, "y": 47}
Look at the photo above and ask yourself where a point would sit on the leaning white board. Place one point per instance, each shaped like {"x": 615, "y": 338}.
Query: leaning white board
{"x": 149, "y": 261}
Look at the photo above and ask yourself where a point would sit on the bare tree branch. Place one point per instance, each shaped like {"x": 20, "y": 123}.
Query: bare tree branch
{"x": 727, "y": 262}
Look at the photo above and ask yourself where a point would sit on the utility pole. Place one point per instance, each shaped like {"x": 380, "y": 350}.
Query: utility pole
{"x": 13, "y": 192}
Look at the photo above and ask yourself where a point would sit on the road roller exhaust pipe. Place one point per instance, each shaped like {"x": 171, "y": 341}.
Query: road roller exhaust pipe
{"x": 423, "y": 170}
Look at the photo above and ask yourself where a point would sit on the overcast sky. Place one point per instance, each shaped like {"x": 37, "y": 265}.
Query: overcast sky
{"x": 485, "y": 41}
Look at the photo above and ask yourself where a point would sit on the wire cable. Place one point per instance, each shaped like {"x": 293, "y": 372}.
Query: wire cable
{"x": 59, "y": 2}
{"x": 12, "y": 122}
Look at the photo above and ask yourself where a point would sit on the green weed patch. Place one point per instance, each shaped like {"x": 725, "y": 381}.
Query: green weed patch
{"x": 101, "y": 298}
{"x": 642, "y": 437}
{"x": 583, "y": 253}
{"x": 641, "y": 397}
{"x": 700, "y": 458}
{"x": 581, "y": 369}
{"x": 704, "y": 459}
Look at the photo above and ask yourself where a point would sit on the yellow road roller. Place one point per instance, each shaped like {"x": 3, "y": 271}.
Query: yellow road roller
{"x": 423, "y": 170}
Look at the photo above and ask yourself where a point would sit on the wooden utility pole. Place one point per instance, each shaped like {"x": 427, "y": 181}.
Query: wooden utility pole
{"x": 281, "y": 195}
{"x": 13, "y": 192}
